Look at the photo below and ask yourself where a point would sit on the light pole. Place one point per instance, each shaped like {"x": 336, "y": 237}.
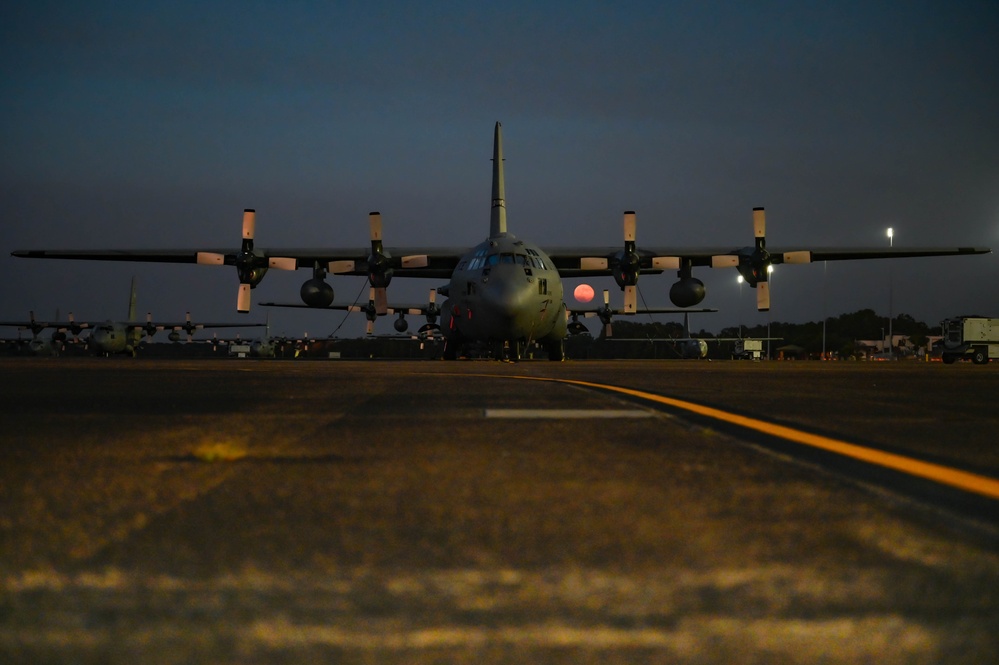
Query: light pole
{"x": 891, "y": 350}
{"x": 740, "y": 280}
{"x": 770, "y": 272}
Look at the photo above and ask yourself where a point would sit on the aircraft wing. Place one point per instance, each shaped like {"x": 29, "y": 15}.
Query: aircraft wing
{"x": 439, "y": 261}
{"x": 36, "y": 326}
{"x": 599, "y": 261}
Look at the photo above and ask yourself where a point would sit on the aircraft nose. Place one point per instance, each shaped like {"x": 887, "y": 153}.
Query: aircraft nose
{"x": 506, "y": 297}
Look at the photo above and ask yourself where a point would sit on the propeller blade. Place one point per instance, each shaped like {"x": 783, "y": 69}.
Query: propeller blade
{"x": 803, "y": 256}
{"x": 759, "y": 223}
{"x": 763, "y": 296}
{"x": 249, "y": 224}
{"x": 381, "y": 300}
{"x": 282, "y": 263}
{"x": 340, "y": 267}
{"x": 629, "y": 226}
{"x": 210, "y": 259}
{"x": 415, "y": 261}
{"x": 666, "y": 262}
{"x": 724, "y": 261}
{"x": 593, "y": 263}
{"x": 370, "y": 327}
{"x": 630, "y": 299}
{"x": 243, "y": 299}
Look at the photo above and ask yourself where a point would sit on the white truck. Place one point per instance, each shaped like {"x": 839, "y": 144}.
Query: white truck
{"x": 749, "y": 348}
{"x": 970, "y": 337}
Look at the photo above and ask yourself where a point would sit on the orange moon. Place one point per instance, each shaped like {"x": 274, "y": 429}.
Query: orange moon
{"x": 583, "y": 293}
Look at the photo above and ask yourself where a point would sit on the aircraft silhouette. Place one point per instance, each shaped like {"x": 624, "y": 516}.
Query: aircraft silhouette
{"x": 111, "y": 337}
{"x": 503, "y": 290}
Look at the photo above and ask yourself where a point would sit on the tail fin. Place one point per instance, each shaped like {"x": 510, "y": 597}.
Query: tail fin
{"x": 497, "y": 216}
{"x": 131, "y": 302}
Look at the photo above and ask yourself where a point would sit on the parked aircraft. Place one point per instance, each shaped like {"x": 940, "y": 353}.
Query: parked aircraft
{"x": 689, "y": 347}
{"x": 504, "y": 290}
{"x": 112, "y": 337}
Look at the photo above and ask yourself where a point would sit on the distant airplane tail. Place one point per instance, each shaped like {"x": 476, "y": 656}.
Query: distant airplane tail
{"x": 131, "y": 302}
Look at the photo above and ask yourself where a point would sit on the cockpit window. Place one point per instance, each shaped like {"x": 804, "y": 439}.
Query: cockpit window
{"x": 492, "y": 259}
{"x": 506, "y": 257}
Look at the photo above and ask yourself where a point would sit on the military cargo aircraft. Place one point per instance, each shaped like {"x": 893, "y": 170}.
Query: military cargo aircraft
{"x": 111, "y": 337}
{"x": 504, "y": 290}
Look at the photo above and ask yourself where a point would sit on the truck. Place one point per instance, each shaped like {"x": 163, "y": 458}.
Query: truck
{"x": 748, "y": 349}
{"x": 969, "y": 337}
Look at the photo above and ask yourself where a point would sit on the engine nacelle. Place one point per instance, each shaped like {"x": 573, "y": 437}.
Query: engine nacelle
{"x": 401, "y": 325}
{"x": 174, "y": 336}
{"x": 317, "y": 293}
{"x": 687, "y": 292}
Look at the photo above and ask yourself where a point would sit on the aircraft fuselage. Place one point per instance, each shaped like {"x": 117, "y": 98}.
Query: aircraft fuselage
{"x": 505, "y": 290}
{"x": 114, "y": 337}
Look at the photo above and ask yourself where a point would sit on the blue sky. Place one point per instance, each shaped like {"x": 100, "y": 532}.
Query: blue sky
{"x": 155, "y": 124}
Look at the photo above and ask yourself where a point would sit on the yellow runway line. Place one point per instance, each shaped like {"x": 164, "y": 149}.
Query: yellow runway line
{"x": 964, "y": 480}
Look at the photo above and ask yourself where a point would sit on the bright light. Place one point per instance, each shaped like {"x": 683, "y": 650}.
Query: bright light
{"x": 740, "y": 279}
{"x": 770, "y": 269}
{"x": 583, "y": 293}
{"x": 890, "y": 232}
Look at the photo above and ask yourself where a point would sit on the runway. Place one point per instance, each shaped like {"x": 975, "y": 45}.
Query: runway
{"x": 238, "y": 511}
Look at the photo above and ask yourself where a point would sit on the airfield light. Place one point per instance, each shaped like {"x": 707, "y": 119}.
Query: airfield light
{"x": 890, "y": 234}
{"x": 770, "y": 268}
{"x": 740, "y": 279}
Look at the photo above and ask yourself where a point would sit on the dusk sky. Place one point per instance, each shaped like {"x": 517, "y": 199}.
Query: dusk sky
{"x": 153, "y": 125}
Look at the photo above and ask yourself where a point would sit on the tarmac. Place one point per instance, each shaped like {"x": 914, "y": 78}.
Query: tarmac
{"x": 254, "y": 511}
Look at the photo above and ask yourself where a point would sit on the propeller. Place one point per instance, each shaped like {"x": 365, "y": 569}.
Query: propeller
{"x": 33, "y": 325}
{"x": 251, "y": 265}
{"x": 431, "y": 311}
{"x": 605, "y": 315}
{"x": 626, "y": 265}
{"x": 370, "y": 311}
{"x": 755, "y": 263}
{"x": 381, "y": 265}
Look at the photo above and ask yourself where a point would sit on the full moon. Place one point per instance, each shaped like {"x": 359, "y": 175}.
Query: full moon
{"x": 583, "y": 293}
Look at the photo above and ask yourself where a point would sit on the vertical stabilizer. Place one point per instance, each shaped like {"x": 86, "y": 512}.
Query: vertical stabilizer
{"x": 497, "y": 216}
{"x": 131, "y": 302}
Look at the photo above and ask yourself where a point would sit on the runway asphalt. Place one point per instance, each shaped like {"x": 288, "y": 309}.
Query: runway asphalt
{"x": 243, "y": 511}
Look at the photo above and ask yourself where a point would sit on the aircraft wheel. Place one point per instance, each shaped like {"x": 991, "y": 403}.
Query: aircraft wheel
{"x": 979, "y": 357}
{"x": 556, "y": 351}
